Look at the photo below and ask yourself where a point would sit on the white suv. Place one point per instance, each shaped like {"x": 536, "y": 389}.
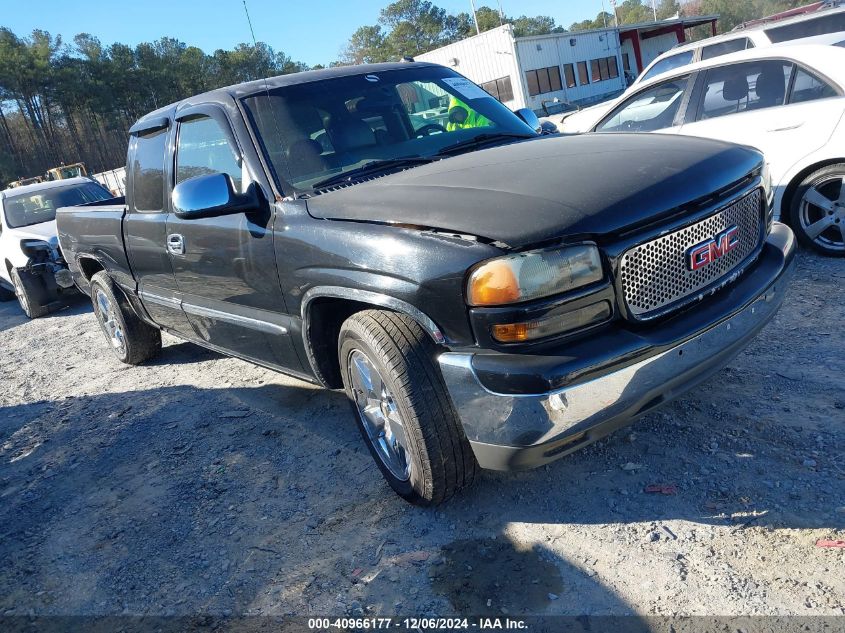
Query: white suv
{"x": 31, "y": 264}
{"x": 805, "y": 29}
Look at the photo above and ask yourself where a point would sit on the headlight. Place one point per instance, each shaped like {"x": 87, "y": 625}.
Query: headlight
{"x": 36, "y": 249}
{"x": 534, "y": 274}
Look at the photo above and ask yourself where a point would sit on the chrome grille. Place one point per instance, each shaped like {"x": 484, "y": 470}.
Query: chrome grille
{"x": 655, "y": 274}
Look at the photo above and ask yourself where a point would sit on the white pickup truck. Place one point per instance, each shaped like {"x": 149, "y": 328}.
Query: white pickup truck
{"x": 33, "y": 269}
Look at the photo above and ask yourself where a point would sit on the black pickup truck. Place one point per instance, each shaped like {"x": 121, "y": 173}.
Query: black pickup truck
{"x": 486, "y": 296}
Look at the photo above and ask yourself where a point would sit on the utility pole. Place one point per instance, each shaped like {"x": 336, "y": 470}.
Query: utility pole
{"x": 654, "y": 9}
{"x": 615, "y": 14}
{"x": 501, "y": 14}
{"x": 475, "y": 17}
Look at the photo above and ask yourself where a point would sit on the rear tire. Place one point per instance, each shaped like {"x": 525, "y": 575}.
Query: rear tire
{"x": 817, "y": 211}
{"x": 404, "y": 411}
{"x": 132, "y": 340}
{"x": 31, "y": 293}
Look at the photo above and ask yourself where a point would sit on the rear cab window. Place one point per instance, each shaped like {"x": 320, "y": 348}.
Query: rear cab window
{"x": 147, "y": 171}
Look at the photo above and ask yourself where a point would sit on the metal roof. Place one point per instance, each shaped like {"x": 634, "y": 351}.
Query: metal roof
{"x": 688, "y": 23}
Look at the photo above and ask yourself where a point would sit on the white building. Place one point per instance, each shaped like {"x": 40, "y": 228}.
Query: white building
{"x": 580, "y": 68}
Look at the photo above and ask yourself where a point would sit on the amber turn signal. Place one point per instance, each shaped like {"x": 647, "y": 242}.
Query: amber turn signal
{"x": 495, "y": 283}
{"x": 553, "y": 325}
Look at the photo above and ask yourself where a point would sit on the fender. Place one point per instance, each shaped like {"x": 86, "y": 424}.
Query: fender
{"x": 365, "y": 297}
{"x": 828, "y": 154}
{"x": 374, "y": 298}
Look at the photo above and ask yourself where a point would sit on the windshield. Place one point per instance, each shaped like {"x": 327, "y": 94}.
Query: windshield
{"x": 35, "y": 207}
{"x": 667, "y": 64}
{"x": 314, "y": 131}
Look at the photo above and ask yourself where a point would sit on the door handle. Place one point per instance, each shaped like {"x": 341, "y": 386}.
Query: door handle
{"x": 176, "y": 244}
{"x": 785, "y": 128}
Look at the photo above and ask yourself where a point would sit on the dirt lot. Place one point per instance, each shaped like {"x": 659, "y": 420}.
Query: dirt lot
{"x": 202, "y": 484}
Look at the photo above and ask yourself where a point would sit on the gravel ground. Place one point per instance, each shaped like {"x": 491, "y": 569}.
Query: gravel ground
{"x": 202, "y": 484}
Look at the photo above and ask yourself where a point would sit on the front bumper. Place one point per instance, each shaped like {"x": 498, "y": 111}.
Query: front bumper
{"x": 518, "y": 429}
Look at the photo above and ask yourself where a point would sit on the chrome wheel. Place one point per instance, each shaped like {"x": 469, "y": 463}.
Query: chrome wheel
{"x": 822, "y": 213}
{"x": 379, "y": 415}
{"x": 109, "y": 321}
{"x": 20, "y": 293}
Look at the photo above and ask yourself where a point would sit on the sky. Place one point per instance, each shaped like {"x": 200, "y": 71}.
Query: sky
{"x": 311, "y": 31}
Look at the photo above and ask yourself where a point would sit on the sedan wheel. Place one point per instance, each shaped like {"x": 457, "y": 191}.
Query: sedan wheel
{"x": 818, "y": 211}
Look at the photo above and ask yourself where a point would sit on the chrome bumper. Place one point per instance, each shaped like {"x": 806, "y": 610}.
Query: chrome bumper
{"x": 562, "y": 421}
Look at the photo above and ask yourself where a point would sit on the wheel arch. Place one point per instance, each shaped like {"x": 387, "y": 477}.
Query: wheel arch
{"x": 89, "y": 266}
{"x": 795, "y": 182}
{"x": 330, "y": 306}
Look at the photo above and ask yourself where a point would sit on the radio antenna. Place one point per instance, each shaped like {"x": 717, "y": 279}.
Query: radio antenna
{"x": 266, "y": 90}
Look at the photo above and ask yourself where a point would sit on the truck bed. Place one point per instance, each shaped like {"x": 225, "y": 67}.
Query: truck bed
{"x": 94, "y": 230}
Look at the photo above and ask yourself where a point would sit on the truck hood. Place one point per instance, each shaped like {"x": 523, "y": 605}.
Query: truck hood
{"x": 549, "y": 187}
{"x": 45, "y": 231}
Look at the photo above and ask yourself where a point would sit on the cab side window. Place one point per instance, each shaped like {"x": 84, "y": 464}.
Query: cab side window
{"x": 747, "y": 86}
{"x": 204, "y": 148}
{"x": 652, "y": 109}
{"x": 147, "y": 171}
{"x": 808, "y": 87}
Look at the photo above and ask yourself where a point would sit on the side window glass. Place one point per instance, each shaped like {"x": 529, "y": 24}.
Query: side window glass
{"x": 723, "y": 48}
{"x": 670, "y": 63}
{"x": 742, "y": 87}
{"x": 148, "y": 171}
{"x": 204, "y": 148}
{"x": 650, "y": 110}
{"x": 824, "y": 23}
{"x": 808, "y": 87}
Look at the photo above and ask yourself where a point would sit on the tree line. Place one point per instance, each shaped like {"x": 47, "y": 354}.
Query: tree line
{"x": 66, "y": 103}
{"x": 69, "y": 102}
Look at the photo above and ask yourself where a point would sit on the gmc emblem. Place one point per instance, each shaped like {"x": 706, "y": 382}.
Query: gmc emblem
{"x": 708, "y": 252}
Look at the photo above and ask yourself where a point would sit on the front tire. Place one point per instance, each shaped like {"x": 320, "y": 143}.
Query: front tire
{"x": 132, "y": 340}
{"x": 817, "y": 212}
{"x": 403, "y": 408}
{"x": 31, "y": 294}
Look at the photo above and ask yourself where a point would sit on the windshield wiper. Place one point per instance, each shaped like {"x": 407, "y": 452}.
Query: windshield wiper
{"x": 481, "y": 139}
{"x": 372, "y": 167}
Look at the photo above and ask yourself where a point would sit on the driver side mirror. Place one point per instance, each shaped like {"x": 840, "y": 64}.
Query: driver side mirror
{"x": 212, "y": 195}
{"x": 529, "y": 118}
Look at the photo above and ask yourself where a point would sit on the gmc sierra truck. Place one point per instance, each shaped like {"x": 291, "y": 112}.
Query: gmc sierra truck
{"x": 486, "y": 296}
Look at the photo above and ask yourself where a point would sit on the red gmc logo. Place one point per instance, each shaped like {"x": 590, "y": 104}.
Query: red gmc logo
{"x": 708, "y": 252}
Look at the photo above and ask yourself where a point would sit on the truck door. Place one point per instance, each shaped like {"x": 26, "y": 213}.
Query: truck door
{"x": 145, "y": 228}
{"x": 225, "y": 266}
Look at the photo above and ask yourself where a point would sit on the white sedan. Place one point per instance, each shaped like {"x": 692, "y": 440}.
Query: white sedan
{"x": 821, "y": 27}
{"x": 788, "y": 102}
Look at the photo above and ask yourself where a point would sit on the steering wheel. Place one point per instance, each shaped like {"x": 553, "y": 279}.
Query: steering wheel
{"x": 427, "y": 129}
